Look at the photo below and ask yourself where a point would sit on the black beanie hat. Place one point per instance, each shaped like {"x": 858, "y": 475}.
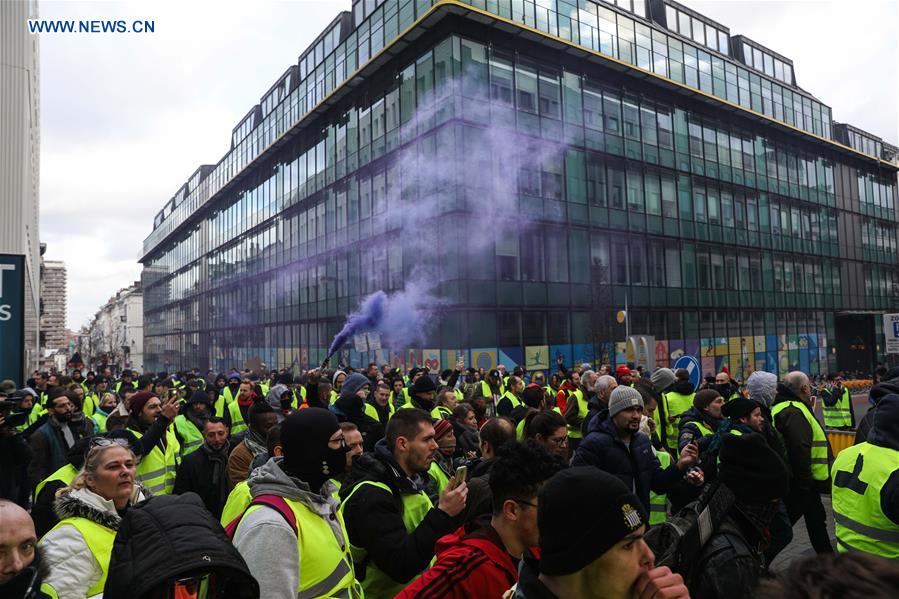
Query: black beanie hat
{"x": 751, "y": 469}
{"x": 304, "y": 441}
{"x": 198, "y": 397}
{"x": 739, "y": 407}
{"x": 570, "y": 544}
{"x": 424, "y": 384}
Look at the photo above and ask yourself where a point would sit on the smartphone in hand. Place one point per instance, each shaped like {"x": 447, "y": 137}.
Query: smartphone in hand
{"x": 459, "y": 476}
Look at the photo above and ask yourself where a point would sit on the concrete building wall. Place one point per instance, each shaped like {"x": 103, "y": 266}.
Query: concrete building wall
{"x": 20, "y": 155}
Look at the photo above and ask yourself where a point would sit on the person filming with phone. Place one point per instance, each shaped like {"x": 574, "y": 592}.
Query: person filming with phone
{"x": 392, "y": 525}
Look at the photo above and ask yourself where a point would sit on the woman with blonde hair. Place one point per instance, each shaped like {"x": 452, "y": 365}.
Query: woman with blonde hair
{"x": 78, "y": 548}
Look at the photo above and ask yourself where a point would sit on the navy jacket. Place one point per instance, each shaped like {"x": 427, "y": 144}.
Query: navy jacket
{"x": 637, "y": 467}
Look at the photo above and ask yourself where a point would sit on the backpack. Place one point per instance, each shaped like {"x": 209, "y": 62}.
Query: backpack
{"x": 678, "y": 542}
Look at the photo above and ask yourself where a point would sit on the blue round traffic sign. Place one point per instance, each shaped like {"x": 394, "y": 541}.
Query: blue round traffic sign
{"x": 692, "y": 366}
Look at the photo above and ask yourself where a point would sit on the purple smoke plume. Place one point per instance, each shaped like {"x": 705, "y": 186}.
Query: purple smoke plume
{"x": 367, "y": 317}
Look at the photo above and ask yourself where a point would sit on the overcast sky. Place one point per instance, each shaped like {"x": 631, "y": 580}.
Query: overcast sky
{"x": 126, "y": 118}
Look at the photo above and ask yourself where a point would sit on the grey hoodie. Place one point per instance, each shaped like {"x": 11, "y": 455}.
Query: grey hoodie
{"x": 265, "y": 539}
{"x": 274, "y": 398}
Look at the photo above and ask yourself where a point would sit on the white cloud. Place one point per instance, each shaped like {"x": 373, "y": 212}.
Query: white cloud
{"x": 126, "y": 118}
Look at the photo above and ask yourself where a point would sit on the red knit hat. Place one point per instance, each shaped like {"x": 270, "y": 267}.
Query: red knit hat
{"x": 139, "y": 400}
{"x": 442, "y": 428}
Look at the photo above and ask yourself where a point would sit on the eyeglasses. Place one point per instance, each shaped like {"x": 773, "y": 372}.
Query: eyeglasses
{"x": 559, "y": 441}
{"x": 106, "y": 442}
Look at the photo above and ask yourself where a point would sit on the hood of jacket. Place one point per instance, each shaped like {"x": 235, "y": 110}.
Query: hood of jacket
{"x": 84, "y": 503}
{"x": 169, "y": 537}
{"x": 353, "y": 383}
{"x": 881, "y": 390}
{"x": 683, "y": 387}
{"x": 270, "y": 479}
{"x": 885, "y": 429}
{"x": 274, "y": 395}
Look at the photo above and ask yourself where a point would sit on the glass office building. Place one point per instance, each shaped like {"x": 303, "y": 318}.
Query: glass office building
{"x": 681, "y": 172}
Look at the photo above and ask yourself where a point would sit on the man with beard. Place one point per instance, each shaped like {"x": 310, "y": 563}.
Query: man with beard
{"x": 615, "y": 445}
{"x": 205, "y": 471}
{"x": 189, "y": 425}
{"x": 52, "y": 441}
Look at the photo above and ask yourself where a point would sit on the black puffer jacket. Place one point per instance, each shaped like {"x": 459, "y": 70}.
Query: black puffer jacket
{"x": 170, "y": 537}
{"x": 878, "y": 392}
{"x": 730, "y": 563}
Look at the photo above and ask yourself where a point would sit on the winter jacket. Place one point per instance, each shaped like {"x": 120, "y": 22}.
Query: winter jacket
{"x": 689, "y": 431}
{"x": 480, "y": 498}
{"x": 73, "y": 567}
{"x": 205, "y": 472}
{"x": 797, "y": 437}
{"x": 171, "y": 537}
{"x": 467, "y": 439}
{"x": 15, "y": 455}
{"x": 273, "y": 397}
{"x": 529, "y": 584}
{"x": 636, "y": 465}
{"x": 265, "y": 539}
{"x": 730, "y": 563}
{"x": 471, "y": 562}
{"x": 351, "y": 408}
{"x": 878, "y": 392}
{"x": 885, "y": 433}
{"x": 49, "y": 448}
{"x": 374, "y": 521}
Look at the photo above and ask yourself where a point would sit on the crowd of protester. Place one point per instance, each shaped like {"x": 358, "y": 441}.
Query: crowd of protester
{"x": 380, "y": 483}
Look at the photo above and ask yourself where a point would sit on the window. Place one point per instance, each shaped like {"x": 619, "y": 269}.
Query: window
{"x": 526, "y": 87}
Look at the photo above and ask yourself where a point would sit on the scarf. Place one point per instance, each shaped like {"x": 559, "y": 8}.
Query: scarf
{"x": 255, "y": 442}
{"x": 219, "y": 460}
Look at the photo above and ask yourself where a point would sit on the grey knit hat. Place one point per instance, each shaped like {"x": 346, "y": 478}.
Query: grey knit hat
{"x": 622, "y": 398}
{"x": 662, "y": 378}
{"x": 762, "y": 387}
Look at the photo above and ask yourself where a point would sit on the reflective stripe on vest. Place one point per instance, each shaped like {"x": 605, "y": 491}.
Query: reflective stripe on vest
{"x": 658, "y": 504}
{"x": 859, "y": 474}
{"x": 156, "y": 470}
{"x": 415, "y": 507}
{"x": 237, "y": 422}
{"x": 238, "y": 500}
{"x": 819, "y": 460}
{"x": 325, "y": 563}
{"x": 191, "y": 436}
{"x": 839, "y": 414}
{"x": 66, "y": 475}
{"x": 99, "y": 540}
{"x": 574, "y": 432}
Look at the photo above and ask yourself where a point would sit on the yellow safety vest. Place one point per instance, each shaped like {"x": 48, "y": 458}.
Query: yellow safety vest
{"x": 440, "y": 477}
{"x": 91, "y": 401}
{"x": 189, "y": 433}
{"x": 156, "y": 470}
{"x": 399, "y": 400}
{"x": 859, "y": 474}
{"x": 237, "y": 422}
{"x": 326, "y": 566}
{"x": 377, "y": 583}
{"x": 839, "y": 414}
{"x": 512, "y": 398}
{"x": 229, "y": 397}
{"x": 372, "y": 411}
{"x": 238, "y": 500}
{"x": 574, "y": 432}
{"x": 99, "y": 419}
{"x": 66, "y": 474}
{"x": 99, "y": 540}
{"x": 819, "y": 457}
{"x": 658, "y": 504}
{"x": 675, "y": 405}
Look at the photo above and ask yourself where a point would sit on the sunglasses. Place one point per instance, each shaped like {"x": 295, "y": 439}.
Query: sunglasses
{"x": 105, "y": 442}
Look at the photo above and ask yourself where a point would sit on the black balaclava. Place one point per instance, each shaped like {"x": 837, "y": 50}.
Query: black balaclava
{"x": 304, "y": 441}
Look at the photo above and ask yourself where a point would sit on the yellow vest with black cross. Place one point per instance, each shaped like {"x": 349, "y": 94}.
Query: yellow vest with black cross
{"x": 675, "y": 405}
{"x": 156, "y": 470}
{"x": 99, "y": 540}
{"x": 840, "y": 413}
{"x": 326, "y": 566}
{"x": 376, "y": 583}
{"x": 574, "y": 432}
{"x": 190, "y": 435}
{"x": 238, "y": 425}
{"x": 859, "y": 474}
{"x": 658, "y": 504}
{"x": 66, "y": 475}
{"x": 819, "y": 457}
